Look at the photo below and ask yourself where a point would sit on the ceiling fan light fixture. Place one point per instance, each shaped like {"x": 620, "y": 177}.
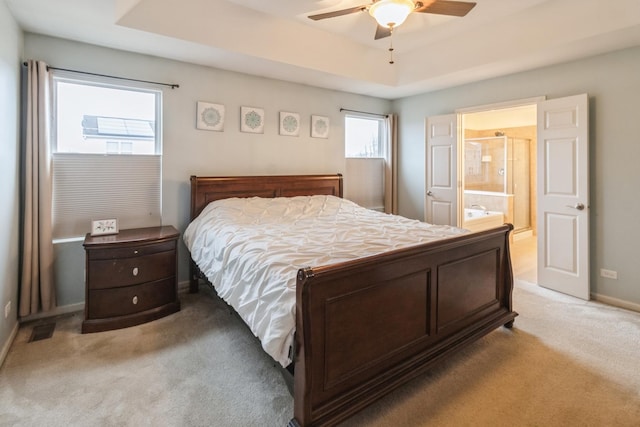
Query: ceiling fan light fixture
{"x": 391, "y": 13}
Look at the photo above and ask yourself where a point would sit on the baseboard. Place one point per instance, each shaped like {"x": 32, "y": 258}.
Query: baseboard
{"x": 65, "y": 309}
{"x": 616, "y": 302}
{"x": 183, "y": 287}
{"x": 522, "y": 234}
{"x": 7, "y": 344}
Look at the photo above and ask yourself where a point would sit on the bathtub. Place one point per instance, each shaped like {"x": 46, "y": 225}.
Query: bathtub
{"x": 479, "y": 219}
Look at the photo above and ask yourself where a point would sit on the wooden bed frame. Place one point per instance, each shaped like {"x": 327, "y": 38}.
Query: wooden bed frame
{"x": 367, "y": 326}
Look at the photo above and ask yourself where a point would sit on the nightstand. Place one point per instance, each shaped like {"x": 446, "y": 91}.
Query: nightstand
{"x": 131, "y": 278}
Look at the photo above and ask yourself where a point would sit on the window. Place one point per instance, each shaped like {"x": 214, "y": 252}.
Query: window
{"x": 365, "y": 142}
{"x": 106, "y": 149}
{"x": 364, "y": 136}
{"x": 90, "y": 118}
{"x": 119, "y": 133}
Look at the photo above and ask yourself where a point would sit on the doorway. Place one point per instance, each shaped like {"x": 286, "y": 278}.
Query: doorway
{"x": 559, "y": 179}
{"x": 497, "y": 158}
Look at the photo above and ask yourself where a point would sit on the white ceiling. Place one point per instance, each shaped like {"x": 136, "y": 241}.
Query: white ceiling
{"x": 274, "y": 38}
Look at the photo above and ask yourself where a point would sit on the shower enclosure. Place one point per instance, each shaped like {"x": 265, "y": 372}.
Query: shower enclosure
{"x": 497, "y": 177}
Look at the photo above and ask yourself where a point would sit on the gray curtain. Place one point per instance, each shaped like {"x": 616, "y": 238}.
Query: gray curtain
{"x": 390, "y": 168}
{"x": 37, "y": 290}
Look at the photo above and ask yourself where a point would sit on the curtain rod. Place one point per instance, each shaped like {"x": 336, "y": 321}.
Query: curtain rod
{"x": 171, "y": 85}
{"x": 364, "y": 112}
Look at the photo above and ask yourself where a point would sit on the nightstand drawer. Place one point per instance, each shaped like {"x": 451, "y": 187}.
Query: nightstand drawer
{"x": 131, "y": 271}
{"x": 131, "y": 251}
{"x": 106, "y": 303}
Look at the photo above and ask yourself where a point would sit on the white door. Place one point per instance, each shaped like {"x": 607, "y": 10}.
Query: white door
{"x": 441, "y": 199}
{"x": 563, "y": 195}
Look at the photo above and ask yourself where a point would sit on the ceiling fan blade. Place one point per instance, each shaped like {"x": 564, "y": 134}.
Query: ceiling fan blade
{"x": 445, "y": 7}
{"x": 338, "y": 13}
{"x": 382, "y": 32}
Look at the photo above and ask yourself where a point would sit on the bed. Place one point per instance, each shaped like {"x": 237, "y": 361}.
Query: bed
{"x": 367, "y": 325}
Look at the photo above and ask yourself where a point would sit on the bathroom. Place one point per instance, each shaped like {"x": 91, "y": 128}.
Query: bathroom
{"x": 499, "y": 178}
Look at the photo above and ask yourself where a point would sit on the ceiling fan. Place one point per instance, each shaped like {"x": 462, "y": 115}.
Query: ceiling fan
{"x": 391, "y": 13}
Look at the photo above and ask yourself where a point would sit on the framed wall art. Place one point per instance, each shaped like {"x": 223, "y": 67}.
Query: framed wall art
{"x": 251, "y": 119}
{"x": 319, "y": 126}
{"x": 210, "y": 116}
{"x": 289, "y": 123}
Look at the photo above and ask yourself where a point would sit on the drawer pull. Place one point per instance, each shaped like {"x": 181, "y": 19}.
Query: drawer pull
{"x": 135, "y": 271}
{"x": 135, "y": 252}
{"x": 135, "y": 300}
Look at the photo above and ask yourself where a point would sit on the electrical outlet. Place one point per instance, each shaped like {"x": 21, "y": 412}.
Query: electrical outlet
{"x": 7, "y": 309}
{"x": 609, "y": 274}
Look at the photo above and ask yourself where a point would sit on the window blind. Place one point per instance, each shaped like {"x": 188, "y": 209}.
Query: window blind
{"x": 364, "y": 181}
{"x": 89, "y": 187}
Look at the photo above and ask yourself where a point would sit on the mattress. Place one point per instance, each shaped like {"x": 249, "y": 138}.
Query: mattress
{"x": 250, "y": 249}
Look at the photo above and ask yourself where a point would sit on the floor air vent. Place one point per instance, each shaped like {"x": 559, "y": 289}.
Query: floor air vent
{"x": 42, "y": 332}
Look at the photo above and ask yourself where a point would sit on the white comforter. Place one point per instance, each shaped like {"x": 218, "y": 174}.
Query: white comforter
{"x": 251, "y": 249}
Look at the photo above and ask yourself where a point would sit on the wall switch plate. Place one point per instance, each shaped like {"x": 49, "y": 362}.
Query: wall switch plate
{"x": 609, "y": 274}
{"x": 7, "y": 309}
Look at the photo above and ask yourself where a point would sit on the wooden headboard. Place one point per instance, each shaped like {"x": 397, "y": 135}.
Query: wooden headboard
{"x": 206, "y": 189}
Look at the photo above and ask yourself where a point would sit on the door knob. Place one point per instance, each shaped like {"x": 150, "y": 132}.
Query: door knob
{"x": 429, "y": 193}
{"x": 578, "y": 206}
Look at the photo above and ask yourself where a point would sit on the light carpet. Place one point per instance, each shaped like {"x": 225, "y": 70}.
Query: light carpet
{"x": 566, "y": 362}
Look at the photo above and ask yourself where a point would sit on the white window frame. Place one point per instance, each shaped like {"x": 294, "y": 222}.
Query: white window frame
{"x": 365, "y": 175}
{"x": 90, "y": 186}
{"x": 381, "y": 133}
{"x": 105, "y": 82}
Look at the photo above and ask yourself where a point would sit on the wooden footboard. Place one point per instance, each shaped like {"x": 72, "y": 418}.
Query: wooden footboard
{"x": 367, "y": 326}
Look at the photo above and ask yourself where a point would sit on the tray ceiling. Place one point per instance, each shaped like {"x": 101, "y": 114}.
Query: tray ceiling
{"x": 276, "y": 39}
